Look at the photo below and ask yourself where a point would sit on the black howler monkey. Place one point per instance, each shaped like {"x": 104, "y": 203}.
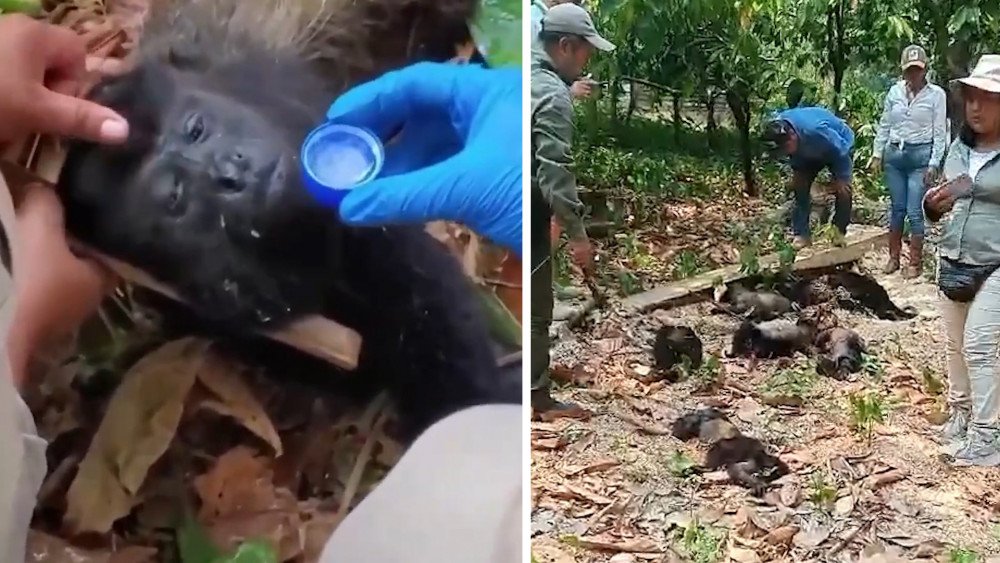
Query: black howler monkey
{"x": 745, "y": 459}
{"x": 205, "y": 194}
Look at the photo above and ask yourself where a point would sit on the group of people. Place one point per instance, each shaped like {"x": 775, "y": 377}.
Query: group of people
{"x": 921, "y": 170}
{"x": 928, "y": 178}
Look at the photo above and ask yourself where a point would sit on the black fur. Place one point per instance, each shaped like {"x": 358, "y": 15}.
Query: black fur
{"x": 761, "y": 305}
{"x": 861, "y": 293}
{"x": 745, "y": 459}
{"x": 840, "y": 352}
{"x": 674, "y": 345}
{"x": 223, "y": 218}
{"x": 772, "y": 339}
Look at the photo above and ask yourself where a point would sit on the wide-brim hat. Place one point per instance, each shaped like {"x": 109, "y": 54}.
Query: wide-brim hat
{"x": 985, "y": 76}
{"x": 572, "y": 19}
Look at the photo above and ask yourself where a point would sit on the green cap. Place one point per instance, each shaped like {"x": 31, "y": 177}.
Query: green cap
{"x": 574, "y": 20}
{"x": 914, "y": 55}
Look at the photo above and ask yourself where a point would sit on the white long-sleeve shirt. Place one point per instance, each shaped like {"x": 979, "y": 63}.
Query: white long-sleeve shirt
{"x": 917, "y": 121}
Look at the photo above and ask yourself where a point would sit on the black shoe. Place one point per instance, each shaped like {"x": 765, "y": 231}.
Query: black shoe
{"x": 545, "y": 408}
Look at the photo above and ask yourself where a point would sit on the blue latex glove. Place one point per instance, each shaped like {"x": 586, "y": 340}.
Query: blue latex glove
{"x": 458, "y": 157}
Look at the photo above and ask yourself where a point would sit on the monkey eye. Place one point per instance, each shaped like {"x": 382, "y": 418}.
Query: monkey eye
{"x": 194, "y": 128}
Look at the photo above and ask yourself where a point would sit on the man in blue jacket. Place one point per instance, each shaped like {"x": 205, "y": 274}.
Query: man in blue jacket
{"x": 814, "y": 138}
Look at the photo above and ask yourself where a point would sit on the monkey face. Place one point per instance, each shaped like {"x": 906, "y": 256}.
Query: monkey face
{"x": 206, "y": 194}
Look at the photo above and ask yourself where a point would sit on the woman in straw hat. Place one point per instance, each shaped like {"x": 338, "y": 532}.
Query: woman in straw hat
{"x": 969, "y": 278}
{"x": 910, "y": 142}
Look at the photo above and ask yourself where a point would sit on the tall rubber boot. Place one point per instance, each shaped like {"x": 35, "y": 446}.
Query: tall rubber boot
{"x": 916, "y": 265}
{"x": 895, "y": 248}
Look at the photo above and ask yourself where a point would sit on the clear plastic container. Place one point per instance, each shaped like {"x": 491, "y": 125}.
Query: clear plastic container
{"x": 337, "y": 158}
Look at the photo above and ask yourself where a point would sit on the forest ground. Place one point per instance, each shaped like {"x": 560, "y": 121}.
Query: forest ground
{"x": 610, "y": 488}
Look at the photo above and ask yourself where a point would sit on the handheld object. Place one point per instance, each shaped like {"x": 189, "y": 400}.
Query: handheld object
{"x": 959, "y": 187}
{"x": 337, "y": 158}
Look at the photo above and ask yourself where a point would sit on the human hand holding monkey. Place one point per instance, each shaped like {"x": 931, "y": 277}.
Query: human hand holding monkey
{"x": 480, "y": 185}
{"x": 40, "y": 66}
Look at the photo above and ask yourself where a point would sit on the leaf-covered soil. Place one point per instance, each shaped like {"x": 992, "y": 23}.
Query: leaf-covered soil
{"x": 611, "y": 488}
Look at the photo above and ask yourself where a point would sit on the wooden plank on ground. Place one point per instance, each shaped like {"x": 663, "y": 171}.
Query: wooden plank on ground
{"x": 860, "y": 239}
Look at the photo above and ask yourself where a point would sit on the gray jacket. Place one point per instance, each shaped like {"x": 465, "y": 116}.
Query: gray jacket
{"x": 972, "y": 234}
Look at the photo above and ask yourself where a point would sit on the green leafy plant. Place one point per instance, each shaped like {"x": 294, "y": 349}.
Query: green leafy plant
{"x": 821, "y": 492}
{"x": 796, "y": 381}
{"x": 702, "y": 544}
{"x": 958, "y": 555}
{"x": 680, "y": 464}
{"x": 866, "y": 411}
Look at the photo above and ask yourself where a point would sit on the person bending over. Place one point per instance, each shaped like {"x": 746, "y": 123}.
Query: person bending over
{"x": 813, "y": 138}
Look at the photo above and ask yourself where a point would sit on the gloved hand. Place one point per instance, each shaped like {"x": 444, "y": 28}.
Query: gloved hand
{"x": 458, "y": 157}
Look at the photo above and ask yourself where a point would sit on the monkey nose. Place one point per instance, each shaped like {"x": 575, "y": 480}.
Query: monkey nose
{"x": 228, "y": 176}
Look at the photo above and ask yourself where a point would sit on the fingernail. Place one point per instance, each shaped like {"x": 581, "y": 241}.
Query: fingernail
{"x": 114, "y": 130}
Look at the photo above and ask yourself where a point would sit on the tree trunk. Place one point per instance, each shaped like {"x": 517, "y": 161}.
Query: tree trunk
{"x": 837, "y": 48}
{"x": 739, "y": 105}
{"x": 711, "y": 125}
{"x": 676, "y": 100}
{"x": 632, "y": 101}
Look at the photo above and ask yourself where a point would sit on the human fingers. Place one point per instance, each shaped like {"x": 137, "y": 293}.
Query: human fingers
{"x": 61, "y": 50}
{"x": 384, "y": 103}
{"x": 70, "y": 116}
{"x": 415, "y": 197}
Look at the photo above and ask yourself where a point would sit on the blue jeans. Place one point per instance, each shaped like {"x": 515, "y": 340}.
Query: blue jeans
{"x": 904, "y": 176}
{"x": 803, "y": 177}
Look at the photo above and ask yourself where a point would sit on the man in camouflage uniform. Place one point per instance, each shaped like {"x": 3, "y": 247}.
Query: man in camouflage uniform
{"x": 568, "y": 38}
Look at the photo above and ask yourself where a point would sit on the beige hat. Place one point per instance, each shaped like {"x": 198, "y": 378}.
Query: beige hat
{"x": 986, "y": 75}
{"x": 914, "y": 55}
{"x": 572, "y": 19}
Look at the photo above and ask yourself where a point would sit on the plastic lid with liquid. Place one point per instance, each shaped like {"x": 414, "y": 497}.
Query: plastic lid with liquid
{"x": 337, "y": 158}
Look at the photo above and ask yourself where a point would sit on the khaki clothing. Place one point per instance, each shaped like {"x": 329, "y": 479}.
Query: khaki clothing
{"x": 22, "y": 465}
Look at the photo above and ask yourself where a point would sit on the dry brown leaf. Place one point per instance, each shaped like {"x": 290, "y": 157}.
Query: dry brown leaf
{"x": 790, "y": 494}
{"x": 570, "y": 491}
{"x": 556, "y": 443}
{"x": 745, "y": 523}
{"x": 741, "y": 555}
{"x": 812, "y": 537}
{"x": 601, "y": 465}
{"x": 550, "y": 553}
{"x": 636, "y": 545}
{"x": 43, "y": 548}
{"x": 317, "y": 532}
{"x": 222, "y": 376}
{"x": 238, "y": 483}
{"x": 886, "y": 478}
{"x": 844, "y": 505}
{"x": 781, "y": 536}
{"x": 138, "y": 426}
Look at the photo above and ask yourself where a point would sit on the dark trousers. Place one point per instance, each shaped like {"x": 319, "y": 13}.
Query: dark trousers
{"x": 542, "y": 299}
{"x": 802, "y": 181}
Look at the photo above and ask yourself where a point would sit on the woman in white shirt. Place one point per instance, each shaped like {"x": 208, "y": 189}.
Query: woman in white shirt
{"x": 910, "y": 142}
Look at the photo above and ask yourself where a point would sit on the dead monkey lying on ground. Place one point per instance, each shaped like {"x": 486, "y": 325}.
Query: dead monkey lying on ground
{"x": 745, "y": 459}
{"x": 840, "y": 352}
{"x": 205, "y": 195}
{"x": 674, "y": 348}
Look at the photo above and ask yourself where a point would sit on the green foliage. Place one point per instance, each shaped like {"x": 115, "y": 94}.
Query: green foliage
{"x": 873, "y": 367}
{"x": 866, "y": 411}
{"x": 959, "y": 555}
{"x": 702, "y": 544}
{"x": 498, "y": 30}
{"x": 194, "y": 546}
{"x": 680, "y": 464}
{"x": 821, "y": 492}
{"x": 796, "y": 381}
